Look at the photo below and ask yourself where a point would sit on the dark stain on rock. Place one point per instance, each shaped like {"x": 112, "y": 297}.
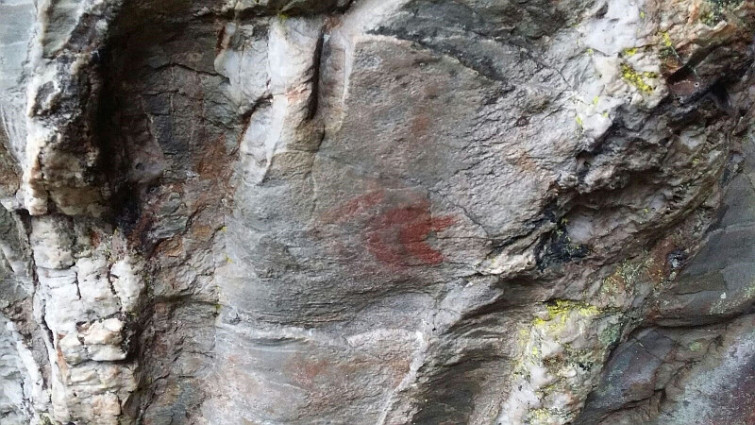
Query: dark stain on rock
{"x": 557, "y": 248}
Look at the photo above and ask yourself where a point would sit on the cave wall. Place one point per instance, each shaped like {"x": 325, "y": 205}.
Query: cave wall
{"x": 377, "y": 212}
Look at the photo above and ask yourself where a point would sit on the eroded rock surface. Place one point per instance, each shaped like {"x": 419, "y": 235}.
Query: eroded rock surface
{"x": 377, "y": 212}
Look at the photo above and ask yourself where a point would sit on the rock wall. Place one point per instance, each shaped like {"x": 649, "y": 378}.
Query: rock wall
{"x": 386, "y": 212}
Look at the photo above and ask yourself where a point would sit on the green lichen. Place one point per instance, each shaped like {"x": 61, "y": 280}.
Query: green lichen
{"x": 667, "y": 50}
{"x": 624, "y": 278}
{"x": 630, "y": 272}
{"x": 722, "y": 306}
{"x": 572, "y": 365}
{"x": 637, "y": 79}
{"x": 610, "y": 334}
{"x": 750, "y": 291}
{"x": 715, "y": 11}
{"x": 540, "y": 416}
{"x": 709, "y": 18}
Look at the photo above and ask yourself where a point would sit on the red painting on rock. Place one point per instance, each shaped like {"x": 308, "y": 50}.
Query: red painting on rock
{"x": 395, "y": 233}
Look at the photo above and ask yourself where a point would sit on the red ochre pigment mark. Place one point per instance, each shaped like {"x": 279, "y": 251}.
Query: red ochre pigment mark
{"x": 395, "y": 236}
{"x": 398, "y": 236}
{"x": 354, "y": 207}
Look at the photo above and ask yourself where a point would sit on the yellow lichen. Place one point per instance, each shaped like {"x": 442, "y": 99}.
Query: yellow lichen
{"x": 630, "y": 52}
{"x": 637, "y": 79}
{"x": 524, "y": 333}
{"x": 666, "y": 39}
{"x": 559, "y": 313}
{"x": 539, "y": 416}
{"x": 566, "y": 306}
{"x": 579, "y": 121}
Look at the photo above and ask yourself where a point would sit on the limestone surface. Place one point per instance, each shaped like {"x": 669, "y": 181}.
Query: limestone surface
{"x": 389, "y": 212}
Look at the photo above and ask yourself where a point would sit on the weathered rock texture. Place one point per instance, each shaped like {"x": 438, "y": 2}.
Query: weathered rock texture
{"x": 383, "y": 212}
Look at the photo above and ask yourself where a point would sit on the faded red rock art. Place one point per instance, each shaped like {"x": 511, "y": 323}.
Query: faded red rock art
{"x": 354, "y": 207}
{"x": 399, "y": 235}
{"x": 395, "y": 234}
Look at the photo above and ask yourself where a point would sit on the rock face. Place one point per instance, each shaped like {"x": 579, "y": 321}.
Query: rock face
{"x": 383, "y": 212}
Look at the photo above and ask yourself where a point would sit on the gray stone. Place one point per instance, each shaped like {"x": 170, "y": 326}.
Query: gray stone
{"x": 376, "y": 212}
